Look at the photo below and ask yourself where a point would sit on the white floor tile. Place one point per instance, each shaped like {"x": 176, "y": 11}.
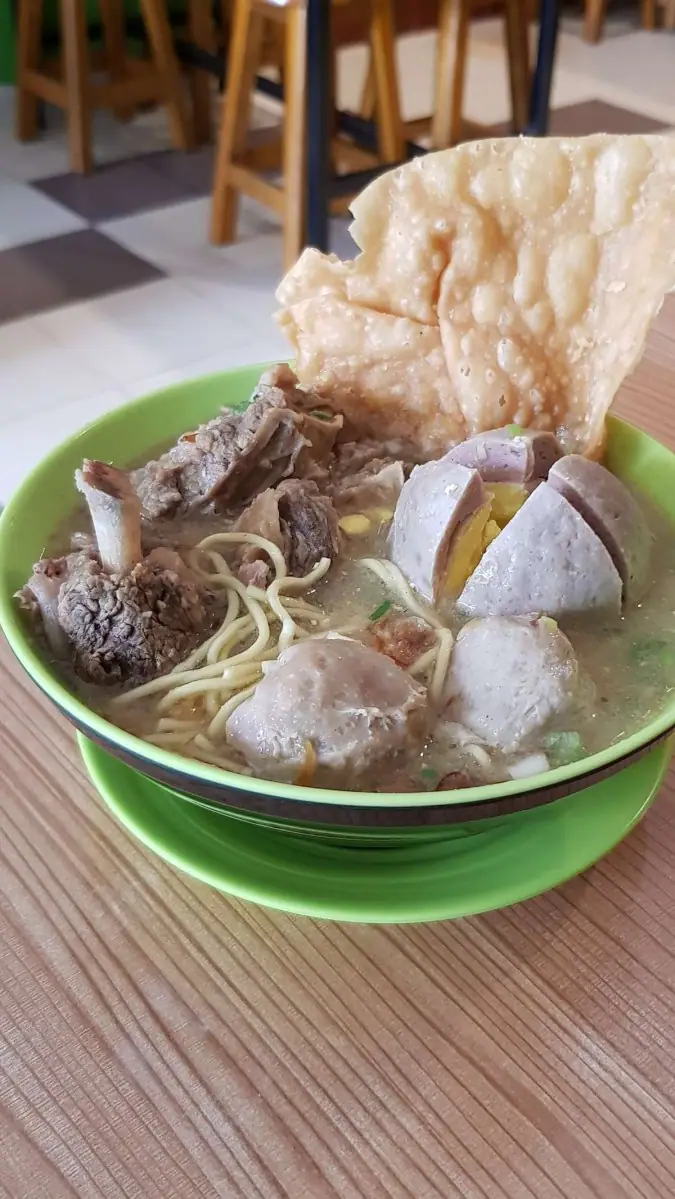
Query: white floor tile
{"x": 38, "y": 375}
{"x": 24, "y": 442}
{"x": 142, "y": 332}
{"x": 26, "y": 215}
{"x": 264, "y": 349}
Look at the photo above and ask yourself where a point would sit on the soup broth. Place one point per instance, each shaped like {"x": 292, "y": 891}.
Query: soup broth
{"x": 627, "y": 663}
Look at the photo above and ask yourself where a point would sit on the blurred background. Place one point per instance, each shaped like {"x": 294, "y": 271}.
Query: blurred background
{"x": 147, "y": 210}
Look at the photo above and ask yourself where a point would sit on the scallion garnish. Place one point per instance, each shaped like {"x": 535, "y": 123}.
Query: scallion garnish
{"x": 380, "y": 610}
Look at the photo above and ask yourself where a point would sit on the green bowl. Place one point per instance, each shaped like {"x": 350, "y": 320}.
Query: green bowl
{"x": 46, "y": 498}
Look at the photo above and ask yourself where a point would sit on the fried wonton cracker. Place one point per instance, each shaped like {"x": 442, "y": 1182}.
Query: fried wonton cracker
{"x": 501, "y": 281}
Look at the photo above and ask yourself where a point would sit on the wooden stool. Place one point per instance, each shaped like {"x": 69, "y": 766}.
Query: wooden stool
{"x": 234, "y": 171}
{"x": 68, "y": 83}
{"x": 595, "y": 11}
{"x": 447, "y": 126}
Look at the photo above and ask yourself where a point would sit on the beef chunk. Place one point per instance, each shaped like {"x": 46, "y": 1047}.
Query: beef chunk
{"x": 402, "y": 638}
{"x": 310, "y": 526}
{"x": 351, "y": 457}
{"x": 237, "y": 455}
{"x": 40, "y": 596}
{"x": 134, "y": 626}
{"x": 157, "y": 485}
{"x": 224, "y": 462}
{"x": 300, "y": 521}
{"x": 376, "y": 485}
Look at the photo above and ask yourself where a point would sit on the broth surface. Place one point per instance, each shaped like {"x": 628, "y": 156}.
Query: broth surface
{"x": 627, "y": 663}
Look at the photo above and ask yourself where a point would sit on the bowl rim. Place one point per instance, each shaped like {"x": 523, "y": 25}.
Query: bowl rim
{"x": 28, "y": 655}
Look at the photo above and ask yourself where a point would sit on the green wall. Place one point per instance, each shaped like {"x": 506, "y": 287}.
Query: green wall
{"x": 6, "y": 43}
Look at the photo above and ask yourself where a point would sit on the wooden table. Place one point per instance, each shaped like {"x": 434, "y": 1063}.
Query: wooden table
{"x": 158, "y": 1040}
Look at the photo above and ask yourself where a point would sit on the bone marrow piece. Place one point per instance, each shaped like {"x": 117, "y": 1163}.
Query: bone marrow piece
{"x": 120, "y": 616}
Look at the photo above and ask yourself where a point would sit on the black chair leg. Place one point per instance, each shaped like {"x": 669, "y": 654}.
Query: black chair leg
{"x": 318, "y": 124}
{"x": 540, "y": 97}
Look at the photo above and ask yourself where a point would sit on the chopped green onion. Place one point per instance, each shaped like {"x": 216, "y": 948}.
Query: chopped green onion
{"x": 380, "y": 610}
{"x": 564, "y": 748}
{"x": 428, "y": 773}
{"x": 320, "y": 414}
{"x": 513, "y": 430}
{"x": 652, "y": 651}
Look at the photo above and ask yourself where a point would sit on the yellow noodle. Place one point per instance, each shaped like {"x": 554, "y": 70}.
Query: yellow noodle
{"x": 202, "y": 651}
{"x": 217, "y": 725}
{"x": 261, "y": 543}
{"x": 230, "y": 668}
{"x": 437, "y": 684}
{"x": 170, "y": 739}
{"x": 230, "y": 635}
{"x": 215, "y": 759}
{"x": 171, "y": 724}
{"x": 166, "y": 682}
{"x": 392, "y": 577}
{"x": 288, "y": 626}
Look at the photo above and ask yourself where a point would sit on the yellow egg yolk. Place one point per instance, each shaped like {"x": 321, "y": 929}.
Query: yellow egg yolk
{"x": 507, "y": 498}
{"x": 467, "y": 545}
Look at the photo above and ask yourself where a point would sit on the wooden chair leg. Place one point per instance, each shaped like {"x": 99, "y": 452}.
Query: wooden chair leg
{"x": 114, "y": 43}
{"x": 76, "y": 74}
{"x": 649, "y": 14}
{"x": 367, "y": 104}
{"x": 201, "y": 34}
{"x": 242, "y": 63}
{"x": 29, "y": 29}
{"x": 390, "y": 136}
{"x": 167, "y": 67}
{"x": 595, "y": 19}
{"x": 295, "y": 70}
{"x": 451, "y": 57}
{"x": 515, "y": 16}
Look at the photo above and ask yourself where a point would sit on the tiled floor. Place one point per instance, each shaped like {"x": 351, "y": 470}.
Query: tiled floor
{"x": 109, "y": 288}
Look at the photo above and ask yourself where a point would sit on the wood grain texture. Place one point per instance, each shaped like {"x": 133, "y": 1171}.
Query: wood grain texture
{"x": 159, "y": 1041}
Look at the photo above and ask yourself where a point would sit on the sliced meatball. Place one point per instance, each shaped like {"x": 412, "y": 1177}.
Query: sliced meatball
{"x": 509, "y": 677}
{"x": 330, "y": 703}
{"x": 547, "y": 559}
{"x": 608, "y": 507}
{"x": 500, "y": 456}
{"x": 435, "y": 500}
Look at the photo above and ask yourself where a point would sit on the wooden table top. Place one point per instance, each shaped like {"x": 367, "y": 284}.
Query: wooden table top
{"x": 158, "y": 1040}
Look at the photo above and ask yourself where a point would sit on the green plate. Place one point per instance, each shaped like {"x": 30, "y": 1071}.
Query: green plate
{"x": 473, "y": 869}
